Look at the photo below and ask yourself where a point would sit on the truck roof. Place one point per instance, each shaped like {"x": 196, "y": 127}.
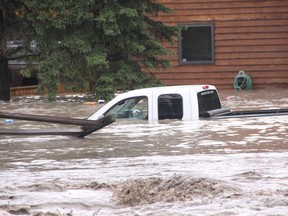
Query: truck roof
{"x": 144, "y": 91}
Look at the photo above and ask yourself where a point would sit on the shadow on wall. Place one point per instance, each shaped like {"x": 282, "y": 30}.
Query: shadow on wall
{"x": 29, "y": 81}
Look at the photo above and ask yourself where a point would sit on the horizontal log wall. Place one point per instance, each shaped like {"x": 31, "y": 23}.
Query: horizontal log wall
{"x": 250, "y": 35}
{"x": 32, "y": 90}
{"x": 23, "y": 91}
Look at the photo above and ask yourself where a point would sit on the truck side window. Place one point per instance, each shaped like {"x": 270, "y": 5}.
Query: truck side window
{"x": 136, "y": 107}
{"x": 170, "y": 106}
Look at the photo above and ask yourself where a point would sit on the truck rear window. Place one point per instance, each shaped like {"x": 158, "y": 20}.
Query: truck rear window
{"x": 208, "y": 100}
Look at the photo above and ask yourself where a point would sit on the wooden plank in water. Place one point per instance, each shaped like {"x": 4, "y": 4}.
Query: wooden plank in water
{"x": 51, "y": 119}
{"x": 102, "y": 123}
{"x": 88, "y": 126}
{"x": 63, "y": 132}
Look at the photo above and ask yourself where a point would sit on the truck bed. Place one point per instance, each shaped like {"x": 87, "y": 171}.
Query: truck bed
{"x": 227, "y": 113}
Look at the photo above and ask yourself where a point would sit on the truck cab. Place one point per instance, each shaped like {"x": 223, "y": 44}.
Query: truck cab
{"x": 186, "y": 102}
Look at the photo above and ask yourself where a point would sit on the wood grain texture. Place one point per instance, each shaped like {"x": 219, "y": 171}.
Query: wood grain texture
{"x": 250, "y": 35}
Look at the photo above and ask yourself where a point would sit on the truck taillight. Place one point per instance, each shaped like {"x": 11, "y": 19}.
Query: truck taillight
{"x": 205, "y": 87}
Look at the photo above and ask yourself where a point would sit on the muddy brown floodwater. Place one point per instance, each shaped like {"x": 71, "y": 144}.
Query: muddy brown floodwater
{"x": 209, "y": 167}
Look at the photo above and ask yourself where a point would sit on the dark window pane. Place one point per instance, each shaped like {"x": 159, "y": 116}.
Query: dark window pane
{"x": 196, "y": 44}
{"x": 170, "y": 106}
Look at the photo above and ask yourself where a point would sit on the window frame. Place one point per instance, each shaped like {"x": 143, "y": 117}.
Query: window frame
{"x": 180, "y": 41}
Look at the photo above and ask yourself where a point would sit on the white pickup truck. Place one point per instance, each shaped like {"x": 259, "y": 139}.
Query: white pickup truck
{"x": 186, "y": 102}
{"x": 172, "y": 102}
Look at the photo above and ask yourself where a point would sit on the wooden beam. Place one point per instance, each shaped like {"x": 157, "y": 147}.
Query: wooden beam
{"x": 50, "y": 119}
{"x": 52, "y": 131}
{"x": 88, "y": 126}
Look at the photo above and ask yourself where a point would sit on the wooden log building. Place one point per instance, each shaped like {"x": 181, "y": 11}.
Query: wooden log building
{"x": 219, "y": 38}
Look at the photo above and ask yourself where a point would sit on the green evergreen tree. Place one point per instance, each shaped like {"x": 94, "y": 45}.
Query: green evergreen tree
{"x": 107, "y": 42}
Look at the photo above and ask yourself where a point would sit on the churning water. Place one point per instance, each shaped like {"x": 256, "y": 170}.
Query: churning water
{"x": 209, "y": 167}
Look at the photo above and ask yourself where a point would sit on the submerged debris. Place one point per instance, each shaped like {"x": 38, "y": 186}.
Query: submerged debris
{"x": 16, "y": 210}
{"x": 97, "y": 185}
{"x": 52, "y": 214}
{"x": 175, "y": 188}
